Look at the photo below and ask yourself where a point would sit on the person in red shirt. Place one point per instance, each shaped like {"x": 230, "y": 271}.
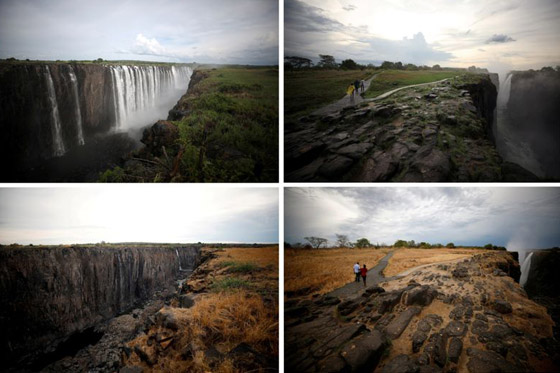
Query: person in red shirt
{"x": 363, "y": 272}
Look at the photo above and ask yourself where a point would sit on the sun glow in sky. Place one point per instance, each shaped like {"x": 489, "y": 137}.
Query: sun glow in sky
{"x": 138, "y": 213}
{"x": 499, "y": 35}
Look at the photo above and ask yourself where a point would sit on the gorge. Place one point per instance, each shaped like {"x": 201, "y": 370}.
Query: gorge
{"x": 56, "y": 114}
{"x": 53, "y": 297}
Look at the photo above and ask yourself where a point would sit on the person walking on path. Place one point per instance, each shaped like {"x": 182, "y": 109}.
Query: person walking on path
{"x": 357, "y": 272}
{"x": 363, "y": 272}
{"x": 357, "y": 86}
{"x": 350, "y": 89}
{"x": 362, "y": 85}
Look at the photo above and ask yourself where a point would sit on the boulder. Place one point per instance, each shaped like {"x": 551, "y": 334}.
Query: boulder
{"x": 455, "y": 349}
{"x": 364, "y": 352}
{"x": 455, "y": 328}
{"x": 502, "y": 306}
{"x": 336, "y": 167}
{"x": 420, "y": 295}
{"x": 162, "y": 133}
{"x": 185, "y": 301}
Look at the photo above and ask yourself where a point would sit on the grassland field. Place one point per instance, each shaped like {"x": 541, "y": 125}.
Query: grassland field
{"x": 320, "y": 271}
{"x": 307, "y": 90}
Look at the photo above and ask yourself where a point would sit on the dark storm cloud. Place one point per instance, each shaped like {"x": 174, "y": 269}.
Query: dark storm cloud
{"x": 305, "y": 18}
{"x": 500, "y": 38}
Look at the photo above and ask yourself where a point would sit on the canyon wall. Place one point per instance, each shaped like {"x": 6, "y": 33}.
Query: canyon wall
{"x": 48, "y": 108}
{"x": 534, "y": 115}
{"x": 48, "y": 293}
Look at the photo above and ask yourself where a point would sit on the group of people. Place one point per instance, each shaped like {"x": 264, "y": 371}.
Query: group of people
{"x": 360, "y": 272}
{"x": 356, "y": 87}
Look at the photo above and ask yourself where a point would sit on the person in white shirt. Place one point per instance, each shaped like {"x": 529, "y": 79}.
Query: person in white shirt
{"x": 357, "y": 271}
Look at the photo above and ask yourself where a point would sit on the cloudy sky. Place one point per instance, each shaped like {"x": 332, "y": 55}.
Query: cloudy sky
{"x": 210, "y": 31}
{"x": 139, "y": 213}
{"x": 500, "y": 35}
{"x": 517, "y": 218}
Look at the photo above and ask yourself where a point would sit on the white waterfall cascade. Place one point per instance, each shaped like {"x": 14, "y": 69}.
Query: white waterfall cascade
{"x": 525, "y": 268}
{"x": 78, "y": 111}
{"x": 179, "y": 259}
{"x": 58, "y": 143}
{"x": 511, "y": 145}
{"x": 143, "y": 94}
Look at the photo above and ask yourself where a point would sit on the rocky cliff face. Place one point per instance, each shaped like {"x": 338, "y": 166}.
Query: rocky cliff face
{"x": 534, "y": 116}
{"x": 48, "y": 109}
{"x": 439, "y": 132}
{"x": 46, "y": 294}
{"x": 468, "y": 315}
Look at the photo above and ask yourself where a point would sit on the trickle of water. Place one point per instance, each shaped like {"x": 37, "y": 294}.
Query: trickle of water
{"x": 77, "y": 106}
{"x": 525, "y": 268}
{"x": 179, "y": 259}
{"x": 58, "y": 143}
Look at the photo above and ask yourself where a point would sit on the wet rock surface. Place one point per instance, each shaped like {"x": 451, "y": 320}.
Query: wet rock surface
{"x": 427, "y": 321}
{"x": 427, "y": 133}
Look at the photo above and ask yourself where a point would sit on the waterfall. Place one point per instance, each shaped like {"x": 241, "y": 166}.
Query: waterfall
{"x": 78, "y": 111}
{"x": 140, "y": 91}
{"x": 59, "y": 149}
{"x": 525, "y": 268}
{"x": 179, "y": 259}
{"x": 504, "y": 91}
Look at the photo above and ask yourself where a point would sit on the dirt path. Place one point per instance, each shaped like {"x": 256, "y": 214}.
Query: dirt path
{"x": 374, "y": 277}
{"x": 346, "y": 101}
{"x": 387, "y": 94}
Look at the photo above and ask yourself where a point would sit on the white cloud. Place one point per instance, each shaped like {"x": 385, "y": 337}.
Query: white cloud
{"x": 144, "y": 45}
{"x": 469, "y": 216}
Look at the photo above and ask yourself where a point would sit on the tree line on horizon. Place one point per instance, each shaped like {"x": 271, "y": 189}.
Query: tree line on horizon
{"x": 328, "y": 62}
{"x": 342, "y": 241}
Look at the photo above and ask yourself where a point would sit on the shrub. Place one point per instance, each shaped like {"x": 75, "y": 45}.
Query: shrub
{"x": 230, "y": 283}
{"x": 240, "y": 267}
{"x": 450, "y": 245}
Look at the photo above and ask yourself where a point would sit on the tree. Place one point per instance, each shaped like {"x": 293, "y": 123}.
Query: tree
{"x": 411, "y": 66}
{"x": 399, "y": 65}
{"x": 316, "y": 242}
{"x": 424, "y": 245}
{"x": 342, "y": 240}
{"x": 349, "y": 64}
{"x": 363, "y": 243}
{"x": 411, "y": 243}
{"x": 488, "y": 246}
{"x": 436, "y": 67}
{"x": 298, "y": 62}
{"x": 400, "y": 243}
{"x": 100, "y": 60}
{"x": 388, "y": 65}
{"x": 450, "y": 245}
{"x": 327, "y": 61}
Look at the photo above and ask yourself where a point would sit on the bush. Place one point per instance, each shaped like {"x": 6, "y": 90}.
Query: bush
{"x": 400, "y": 243}
{"x": 239, "y": 267}
{"x": 363, "y": 243}
{"x": 450, "y": 245}
{"x": 230, "y": 283}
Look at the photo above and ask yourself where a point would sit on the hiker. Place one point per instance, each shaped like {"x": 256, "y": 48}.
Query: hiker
{"x": 357, "y": 272}
{"x": 362, "y": 85}
{"x": 350, "y": 90}
{"x": 363, "y": 272}
{"x": 357, "y": 86}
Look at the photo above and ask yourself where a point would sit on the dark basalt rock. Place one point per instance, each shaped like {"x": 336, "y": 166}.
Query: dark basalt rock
{"x": 455, "y": 349}
{"x": 488, "y": 361}
{"x": 401, "y": 363}
{"x": 162, "y": 133}
{"x": 399, "y": 324}
{"x": 502, "y": 306}
{"x": 364, "y": 352}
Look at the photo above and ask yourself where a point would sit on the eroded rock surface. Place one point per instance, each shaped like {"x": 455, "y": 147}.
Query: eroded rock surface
{"x": 440, "y": 132}
{"x": 438, "y": 318}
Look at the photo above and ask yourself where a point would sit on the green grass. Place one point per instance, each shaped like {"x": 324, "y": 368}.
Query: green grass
{"x": 240, "y": 267}
{"x": 229, "y": 283}
{"x": 307, "y": 90}
{"x": 392, "y": 79}
{"x": 231, "y": 133}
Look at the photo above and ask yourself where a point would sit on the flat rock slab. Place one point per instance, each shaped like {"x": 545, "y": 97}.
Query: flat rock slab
{"x": 364, "y": 352}
{"x": 399, "y": 324}
{"x": 489, "y": 362}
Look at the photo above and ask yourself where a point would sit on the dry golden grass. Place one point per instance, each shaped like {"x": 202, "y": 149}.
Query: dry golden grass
{"x": 323, "y": 270}
{"x": 405, "y": 259}
{"x": 224, "y": 319}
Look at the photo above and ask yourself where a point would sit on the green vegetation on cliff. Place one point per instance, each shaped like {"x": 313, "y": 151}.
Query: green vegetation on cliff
{"x": 225, "y": 129}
